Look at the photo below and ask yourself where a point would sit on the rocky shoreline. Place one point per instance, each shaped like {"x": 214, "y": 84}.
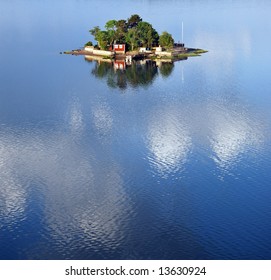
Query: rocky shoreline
{"x": 135, "y": 55}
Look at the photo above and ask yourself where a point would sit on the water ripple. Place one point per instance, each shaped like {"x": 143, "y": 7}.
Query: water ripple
{"x": 168, "y": 141}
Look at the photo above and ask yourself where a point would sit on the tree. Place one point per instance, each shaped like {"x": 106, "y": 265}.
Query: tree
{"x": 166, "y": 40}
{"x": 134, "y": 32}
{"x": 102, "y": 39}
{"x": 111, "y": 27}
{"x": 152, "y": 38}
{"x": 94, "y": 31}
{"x": 133, "y": 21}
{"x": 121, "y": 30}
{"x": 132, "y": 38}
{"x": 89, "y": 43}
{"x": 148, "y": 36}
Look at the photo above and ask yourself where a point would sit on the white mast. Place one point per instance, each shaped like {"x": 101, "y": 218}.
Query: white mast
{"x": 182, "y": 32}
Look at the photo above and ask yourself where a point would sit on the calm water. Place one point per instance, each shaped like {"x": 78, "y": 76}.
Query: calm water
{"x": 168, "y": 161}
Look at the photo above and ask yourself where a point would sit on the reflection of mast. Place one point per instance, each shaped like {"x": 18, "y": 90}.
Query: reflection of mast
{"x": 182, "y": 75}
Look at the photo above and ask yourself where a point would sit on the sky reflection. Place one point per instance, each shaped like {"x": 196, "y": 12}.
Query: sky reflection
{"x": 168, "y": 141}
{"x": 63, "y": 164}
{"x": 102, "y": 163}
{"x": 234, "y": 133}
{"x": 75, "y": 197}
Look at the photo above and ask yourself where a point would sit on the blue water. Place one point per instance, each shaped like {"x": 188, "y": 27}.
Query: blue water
{"x": 164, "y": 161}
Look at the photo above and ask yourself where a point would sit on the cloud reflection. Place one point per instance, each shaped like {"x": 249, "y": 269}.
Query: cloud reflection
{"x": 12, "y": 194}
{"x": 102, "y": 118}
{"x": 227, "y": 128}
{"x": 233, "y": 133}
{"x": 36, "y": 156}
{"x": 80, "y": 194}
{"x": 76, "y": 121}
{"x": 84, "y": 187}
{"x": 168, "y": 141}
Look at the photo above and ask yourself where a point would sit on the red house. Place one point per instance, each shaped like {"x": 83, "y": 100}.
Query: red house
{"x": 119, "y": 48}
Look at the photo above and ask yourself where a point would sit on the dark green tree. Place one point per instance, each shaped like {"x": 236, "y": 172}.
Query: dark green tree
{"x": 94, "y": 31}
{"x": 148, "y": 36}
{"x": 121, "y": 30}
{"x": 89, "y": 43}
{"x": 133, "y": 21}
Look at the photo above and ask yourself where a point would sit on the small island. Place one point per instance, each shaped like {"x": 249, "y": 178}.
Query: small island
{"x": 133, "y": 39}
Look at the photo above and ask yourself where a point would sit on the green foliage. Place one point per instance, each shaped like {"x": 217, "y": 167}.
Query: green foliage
{"x": 132, "y": 31}
{"x": 111, "y": 25}
{"x": 133, "y": 21}
{"x": 121, "y": 30}
{"x": 166, "y": 40}
{"x": 102, "y": 39}
{"x": 132, "y": 38}
{"x": 94, "y": 31}
{"x": 199, "y": 51}
{"x": 111, "y": 36}
{"x": 89, "y": 43}
{"x": 148, "y": 36}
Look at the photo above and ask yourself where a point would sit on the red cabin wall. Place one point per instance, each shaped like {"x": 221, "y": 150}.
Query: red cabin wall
{"x": 119, "y": 48}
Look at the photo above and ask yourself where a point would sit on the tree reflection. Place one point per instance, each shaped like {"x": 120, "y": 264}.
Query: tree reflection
{"x": 166, "y": 68}
{"x": 119, "y": 74}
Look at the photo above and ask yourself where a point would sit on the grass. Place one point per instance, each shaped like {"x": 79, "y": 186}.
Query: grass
{"x": 108, "y": 57}
{"x": 189, "y": 53}
{"x": 199, "y": 51}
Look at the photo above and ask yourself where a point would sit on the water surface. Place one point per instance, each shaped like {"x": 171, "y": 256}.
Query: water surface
{"x": 166, "y": 161}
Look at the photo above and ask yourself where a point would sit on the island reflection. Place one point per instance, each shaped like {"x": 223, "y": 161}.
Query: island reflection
{"x": 122, "y": 74}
